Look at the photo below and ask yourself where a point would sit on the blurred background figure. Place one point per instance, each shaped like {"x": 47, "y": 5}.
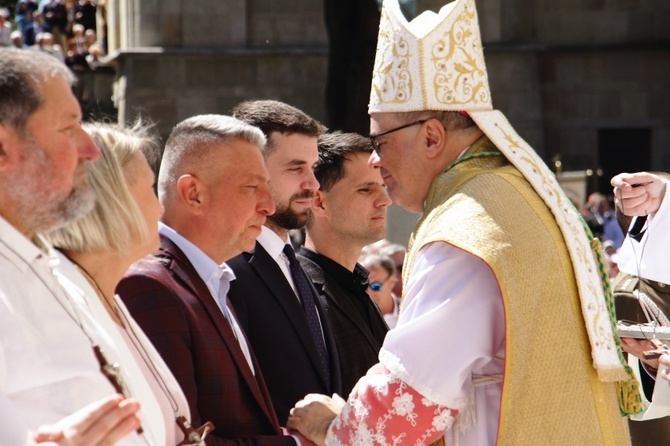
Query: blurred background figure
{"x": 90, "y": 39}
{"x": 85, "y": 12}
{"x": 382, "y": 279}
{"x": 600, "y": 216}
{"x": 373, "y": 248}
{"x": 55, "y": 16}
{"x": 397, "y": 253}
{"x": 45, "y": 42}
{"x": 23, "y": 17}
{"x": 17, "y": 39}
{"x": 5, "y": 28}
{"x": 78, "y": 37}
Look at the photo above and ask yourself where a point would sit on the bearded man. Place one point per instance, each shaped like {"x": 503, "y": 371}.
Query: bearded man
{"x": 273, "y": 296}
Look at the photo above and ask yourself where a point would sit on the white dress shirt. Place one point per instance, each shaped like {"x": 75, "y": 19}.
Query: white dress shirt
{"x": 216, "y": 277}
{"x": 274, "y": 246}
{"x": 47, "y": 366}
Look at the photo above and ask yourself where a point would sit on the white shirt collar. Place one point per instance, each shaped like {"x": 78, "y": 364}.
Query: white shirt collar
{"x": 24, "y": 251}
{"x": 272, "y": 243}
{"x": 210, "y": 273}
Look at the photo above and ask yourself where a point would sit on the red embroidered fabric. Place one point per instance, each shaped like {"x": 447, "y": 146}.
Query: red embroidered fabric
{"x": 384, "y": 410}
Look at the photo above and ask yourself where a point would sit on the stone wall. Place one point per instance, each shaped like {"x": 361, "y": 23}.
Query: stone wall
{"x": 177, "y": 58}
{"x": 561, "y": 71}
{"x": 173, "y": 85}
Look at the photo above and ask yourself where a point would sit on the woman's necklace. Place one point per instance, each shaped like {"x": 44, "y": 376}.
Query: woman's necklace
{"x": 192, "y": 436}
{"x": 109, "y": 306}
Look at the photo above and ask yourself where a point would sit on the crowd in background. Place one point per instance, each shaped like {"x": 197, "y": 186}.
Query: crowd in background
{"x": 72, "y": 31}
{"x": 599, "y": 215}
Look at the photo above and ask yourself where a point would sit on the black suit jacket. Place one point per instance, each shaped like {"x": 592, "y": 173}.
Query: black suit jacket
{"x": 359, "y": 336}
{"x": 275, "y": 323}
{"x": 176, "y": 310}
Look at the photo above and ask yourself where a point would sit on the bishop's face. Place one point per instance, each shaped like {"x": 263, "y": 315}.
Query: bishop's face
{"x": 399, "y": 156}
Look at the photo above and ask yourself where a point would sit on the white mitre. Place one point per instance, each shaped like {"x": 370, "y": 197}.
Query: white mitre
{"x": 436, "y": 62}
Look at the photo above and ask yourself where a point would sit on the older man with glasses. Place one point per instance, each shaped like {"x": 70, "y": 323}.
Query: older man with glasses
{"x": 504, "y": 335}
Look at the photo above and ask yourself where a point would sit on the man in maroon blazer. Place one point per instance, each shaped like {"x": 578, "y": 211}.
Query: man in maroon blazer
{"x": 213, "y": 186}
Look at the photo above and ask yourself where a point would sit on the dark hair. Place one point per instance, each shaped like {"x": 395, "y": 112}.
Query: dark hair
{"x": 334, "y": 150}
{"x": 274, "y": 116}
{"x": 21, "y": 72}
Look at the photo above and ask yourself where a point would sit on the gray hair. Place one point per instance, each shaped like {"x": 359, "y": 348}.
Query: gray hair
{"x": 451, "y": 120}
{"x": 391, "y": 249}
{"x": 20, "y": 75}
{"x": 191, "y": 145}
{"x": 381, "y": 260}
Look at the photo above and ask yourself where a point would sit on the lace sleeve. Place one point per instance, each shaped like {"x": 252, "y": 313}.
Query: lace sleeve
{"x": 383, "y": 410}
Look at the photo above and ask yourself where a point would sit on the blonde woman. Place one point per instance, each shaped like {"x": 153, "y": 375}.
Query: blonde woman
{"x": 100, "y": 247}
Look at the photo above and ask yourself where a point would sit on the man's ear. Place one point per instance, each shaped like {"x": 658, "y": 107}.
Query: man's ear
{"x": 192, "y": 193}
{"x": 7, "y": 144}
{"x": 318, "y": 204}
{"x": 435, "y": 138}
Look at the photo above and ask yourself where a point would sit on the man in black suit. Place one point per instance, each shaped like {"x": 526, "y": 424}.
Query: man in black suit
{"x": 348, "y": 212}
{"x": 277, "y": 305}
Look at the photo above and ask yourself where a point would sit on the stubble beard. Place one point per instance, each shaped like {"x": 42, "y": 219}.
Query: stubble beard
{"x": 41, "y": 208}
{"x": 286, "y": 218}
{"x": 375, "y": 234}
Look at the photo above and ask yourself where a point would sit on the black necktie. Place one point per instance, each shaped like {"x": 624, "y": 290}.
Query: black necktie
{"x": 307, "y": 297}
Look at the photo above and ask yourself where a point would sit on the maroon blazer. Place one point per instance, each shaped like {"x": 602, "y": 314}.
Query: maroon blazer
{"x": 176, "y": 310}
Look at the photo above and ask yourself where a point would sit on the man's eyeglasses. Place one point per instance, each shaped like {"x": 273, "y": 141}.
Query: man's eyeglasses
{"x": 373, "y": 138}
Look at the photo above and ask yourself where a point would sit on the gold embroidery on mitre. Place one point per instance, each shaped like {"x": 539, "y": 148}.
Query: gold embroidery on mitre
{"x": 392, "y": 65}
{"x": 392, "y": 81}
{"x": 457, "y": 58}
{"x": 435, "y": 62}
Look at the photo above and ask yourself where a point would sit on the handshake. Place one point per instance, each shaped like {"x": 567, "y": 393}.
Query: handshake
{"x": 311, "y": 417}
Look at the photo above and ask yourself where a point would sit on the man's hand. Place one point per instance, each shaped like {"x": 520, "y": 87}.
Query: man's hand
{"x": 102, "y": 423}
{"x": 665, "y": 360}
{"x": 312, "y": 416}
{"x": 637, "y": 194}
{"x": 637, "y": 347}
